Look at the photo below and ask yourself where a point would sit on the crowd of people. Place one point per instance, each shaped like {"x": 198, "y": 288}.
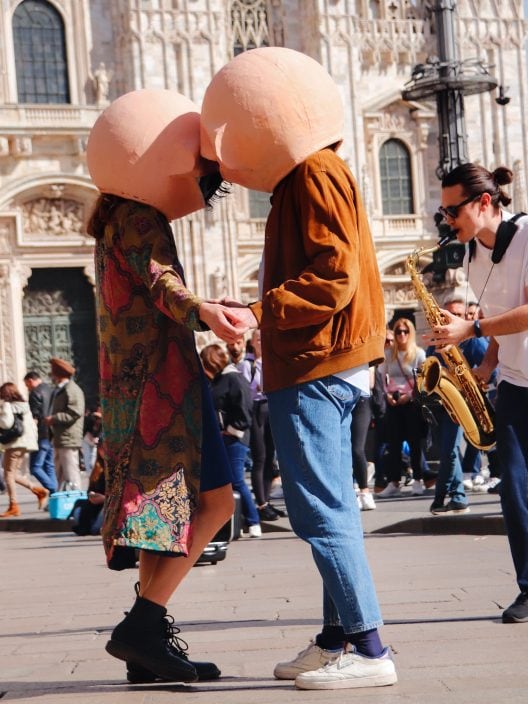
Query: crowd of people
{"x": 55, "y": 428}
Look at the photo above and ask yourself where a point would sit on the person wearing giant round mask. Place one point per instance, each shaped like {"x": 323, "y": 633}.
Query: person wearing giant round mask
{"x": 272, "y": 118}
{"x": 168, "y": 482}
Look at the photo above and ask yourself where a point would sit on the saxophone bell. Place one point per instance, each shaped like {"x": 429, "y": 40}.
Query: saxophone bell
{"x": 455, "y": 384}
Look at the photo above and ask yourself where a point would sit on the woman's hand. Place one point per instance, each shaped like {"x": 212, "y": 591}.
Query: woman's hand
{"x": 228, "y": 323}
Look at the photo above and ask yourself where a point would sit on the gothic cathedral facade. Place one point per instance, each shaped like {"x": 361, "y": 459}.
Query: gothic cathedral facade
{"x": 62, "y": 61}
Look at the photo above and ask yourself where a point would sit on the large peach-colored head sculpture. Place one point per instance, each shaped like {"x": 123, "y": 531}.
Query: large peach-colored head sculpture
{"x": 266, "y": 111}
{"x": 146, "y": 146}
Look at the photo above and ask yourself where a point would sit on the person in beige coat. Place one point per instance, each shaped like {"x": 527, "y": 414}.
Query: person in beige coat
{"x": 12, "y": 402}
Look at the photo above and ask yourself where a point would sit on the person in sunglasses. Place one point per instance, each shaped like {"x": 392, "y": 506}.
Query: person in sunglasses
{"x": 473, "y": 199}
{"x": 403, "y": 419}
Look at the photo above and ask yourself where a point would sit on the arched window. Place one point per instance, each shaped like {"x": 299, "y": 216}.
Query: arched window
{"x": 395, "y": 174}
{"x": 40, "y": 53}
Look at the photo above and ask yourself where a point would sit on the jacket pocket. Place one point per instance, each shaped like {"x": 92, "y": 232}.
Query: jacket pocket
{"x": 310, "y": 342}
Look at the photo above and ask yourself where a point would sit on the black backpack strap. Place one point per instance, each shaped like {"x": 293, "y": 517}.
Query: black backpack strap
{"x": 505, "y": 233}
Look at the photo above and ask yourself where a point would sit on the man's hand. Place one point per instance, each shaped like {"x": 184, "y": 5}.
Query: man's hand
{"x": 48, "y": 420}
{"x": 227, "y": 323}
{"x": 452, "y": 333}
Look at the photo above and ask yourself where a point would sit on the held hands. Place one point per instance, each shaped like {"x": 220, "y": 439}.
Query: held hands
{"x": 227, "y": 322}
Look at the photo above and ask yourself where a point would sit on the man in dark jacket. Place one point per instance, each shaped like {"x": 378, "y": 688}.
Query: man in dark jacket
{"x": 41, "y": 463}
{"x": 66, "y": 422}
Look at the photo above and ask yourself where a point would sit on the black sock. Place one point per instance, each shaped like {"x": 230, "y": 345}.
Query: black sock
{"x": 331, "y": 638}
{"x": 366, "y": 643}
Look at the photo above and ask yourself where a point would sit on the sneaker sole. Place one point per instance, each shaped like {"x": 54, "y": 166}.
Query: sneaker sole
{"x": 122, "y": 651}
{"x": 377, "y": 681}
{"x": 458, "y": 512}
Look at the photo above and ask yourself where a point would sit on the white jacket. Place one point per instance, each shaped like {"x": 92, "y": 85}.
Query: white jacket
{"x": 29, "y": 439}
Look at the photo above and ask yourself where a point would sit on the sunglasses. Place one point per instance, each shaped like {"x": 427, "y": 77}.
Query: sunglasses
{"x": 401, "y": 331}
{"x": 389, "y": 341}
{"x": 451, "y": 211}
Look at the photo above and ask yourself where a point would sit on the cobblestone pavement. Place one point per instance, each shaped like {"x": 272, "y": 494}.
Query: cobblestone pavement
{"x": 441, "y": 596}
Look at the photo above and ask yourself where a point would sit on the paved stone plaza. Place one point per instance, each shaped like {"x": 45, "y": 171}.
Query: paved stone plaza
{"x": 441, "y": 596}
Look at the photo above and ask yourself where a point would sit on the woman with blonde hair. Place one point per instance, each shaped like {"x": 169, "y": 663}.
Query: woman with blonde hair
{"x": 403, "y": 417}
{"x": 12, "y": 404}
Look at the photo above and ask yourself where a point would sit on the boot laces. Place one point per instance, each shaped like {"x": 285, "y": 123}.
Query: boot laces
{"x": 173, "y": 639}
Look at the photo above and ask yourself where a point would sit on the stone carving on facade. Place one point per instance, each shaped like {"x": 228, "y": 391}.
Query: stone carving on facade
{"x": 101, "y": 78}
{"x": 23, "y": 271}
{"x": 249, "y": 24}
{"x": 4, "y": 146}
{"x": 80, "y": 145}
{"x": 366, "y": 190}
{"x": 399, "y": 295}
{"x": 21, "y": 147}
{"x": 49, "y": 302}
{"x": 53, "y": 217}
{"x": 218, "y": 283}
{"x": 6, "y": 231}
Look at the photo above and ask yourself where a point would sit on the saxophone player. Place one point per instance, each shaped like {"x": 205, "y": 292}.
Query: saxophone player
{"x": 496, "y": 263}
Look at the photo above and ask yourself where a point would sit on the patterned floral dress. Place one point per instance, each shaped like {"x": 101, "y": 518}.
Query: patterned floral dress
{"x": 151, "y": 385}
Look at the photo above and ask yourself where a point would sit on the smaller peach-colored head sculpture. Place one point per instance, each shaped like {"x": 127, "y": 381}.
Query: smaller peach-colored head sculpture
{"x": 146, "y": 146}
{"x": 265, "y": 112}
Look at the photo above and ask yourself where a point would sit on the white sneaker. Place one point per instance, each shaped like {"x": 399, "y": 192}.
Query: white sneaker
{"x": 479, "y": 483}
{"x": 491, "y": 484}
{"x": 351, "y": 670}
{"x": 311, "y": 658}
{"x": 255, "y": 531}
{"x": 390, "y": 490}
{"x": 468, "y": 483}
{"x": 366, "y": 501}
{"x": 417, "y": 488}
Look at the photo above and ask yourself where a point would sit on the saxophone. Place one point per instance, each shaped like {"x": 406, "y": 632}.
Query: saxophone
{"x": 456, "y": 386}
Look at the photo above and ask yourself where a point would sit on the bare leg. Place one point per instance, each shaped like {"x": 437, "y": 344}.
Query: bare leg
{"x": 160, "y": 576}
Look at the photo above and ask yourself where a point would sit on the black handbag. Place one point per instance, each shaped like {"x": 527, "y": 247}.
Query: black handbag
{"x": 7, "y": 435}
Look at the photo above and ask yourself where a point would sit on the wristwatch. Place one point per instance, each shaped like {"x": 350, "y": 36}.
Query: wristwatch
{"x": 476, "y": 328}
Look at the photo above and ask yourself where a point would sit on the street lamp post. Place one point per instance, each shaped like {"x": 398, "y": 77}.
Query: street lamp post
{"x": 449, "y": 80}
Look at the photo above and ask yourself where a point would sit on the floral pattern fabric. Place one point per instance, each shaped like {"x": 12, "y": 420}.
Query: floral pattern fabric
{"x": 150, "y": 384}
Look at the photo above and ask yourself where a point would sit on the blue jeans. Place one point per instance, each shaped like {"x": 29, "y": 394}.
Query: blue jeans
{"x": 512, "y": 449}
{"x": 236, "y": 453}
{"x": 311, "y": 427}
{"x": 42, "y": 467}
{"x": 449, "y": 481}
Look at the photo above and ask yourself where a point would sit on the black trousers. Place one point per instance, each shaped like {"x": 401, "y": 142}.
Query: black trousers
{"x": 262, "y": 452}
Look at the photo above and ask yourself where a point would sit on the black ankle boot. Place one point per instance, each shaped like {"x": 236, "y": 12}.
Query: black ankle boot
{"x": 140, "y": 639}
{"x": 206, "y": 671}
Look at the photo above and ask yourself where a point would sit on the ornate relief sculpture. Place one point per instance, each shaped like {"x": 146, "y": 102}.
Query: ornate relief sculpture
{"x": 57, "y": 216}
